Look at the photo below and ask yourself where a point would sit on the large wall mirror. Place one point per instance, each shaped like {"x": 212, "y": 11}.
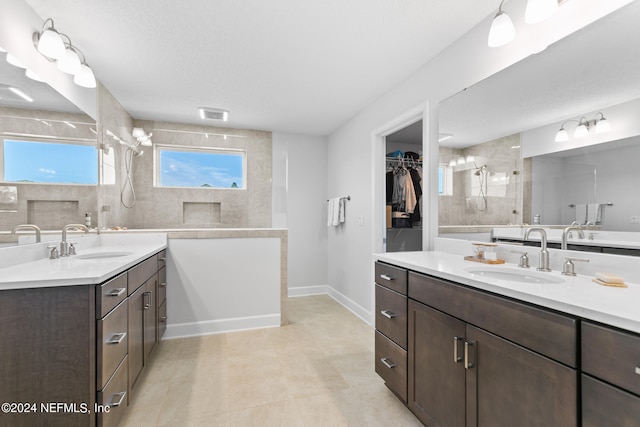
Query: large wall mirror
{"x": 499, "y": 161}
{"x": 48, "y": 155}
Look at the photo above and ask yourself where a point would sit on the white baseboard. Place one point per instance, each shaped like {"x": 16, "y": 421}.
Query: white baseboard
{"x": 350, "y": 305}
{"x": 303, "y": 291}
{"x": 182, "y": 330}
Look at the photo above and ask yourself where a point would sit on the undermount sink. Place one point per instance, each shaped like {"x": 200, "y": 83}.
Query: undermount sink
{"x": 101, "y": 255}
{"x": 514, "y": 275}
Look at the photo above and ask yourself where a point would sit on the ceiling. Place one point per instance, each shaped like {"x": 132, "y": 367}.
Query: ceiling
{"x": 592, "y": 69}
{"x": 284, "y": 65}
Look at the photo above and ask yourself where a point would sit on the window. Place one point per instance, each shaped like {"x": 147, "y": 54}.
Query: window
{"x": 48, "y": 162}
{"x": 200, "y": 167}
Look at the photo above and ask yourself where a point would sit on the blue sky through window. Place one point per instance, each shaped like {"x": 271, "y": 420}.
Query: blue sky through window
{"x": 46, "y": 162}
{"x": 200, "y": 169}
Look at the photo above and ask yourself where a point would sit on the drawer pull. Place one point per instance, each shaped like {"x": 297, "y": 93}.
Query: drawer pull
{"x": 388, "y": 314}
{"x": 116, "y": 292}
{"x": 162, "y": 259}
{"x": 456, "y": 357}
{"x": 122, "y": 395}
{"x": 638, "y": 370}
{"x": 117, "y": 338}
{"x": 163, "y": 319}
{"x": 147, "y": 300}
{"x": 385, "y": 277}
{"x": 385, "y": 362}
{"x": 467, "y": 364}
{"x": 163, "y": 284}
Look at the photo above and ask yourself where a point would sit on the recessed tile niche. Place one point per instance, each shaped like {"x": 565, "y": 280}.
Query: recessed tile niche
{"x": 201, "y": 213}
{"x": 53, "y": 214}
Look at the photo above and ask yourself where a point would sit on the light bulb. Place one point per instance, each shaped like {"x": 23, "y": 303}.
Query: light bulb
{"x": 562, "y": 135}
{"x": 581, "y": 131}
{"x": 502, "y": 30}
{"x": 603, "y": 126}
{"x": 539, "y": 10}
{"x": 70, "y": 62}
{"x": 85, "y": 77}
{"x": 50, "y": 44}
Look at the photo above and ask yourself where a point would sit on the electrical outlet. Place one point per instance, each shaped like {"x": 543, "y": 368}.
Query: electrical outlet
{"x": 361, "y": 221}
{"x": 635, "y": 220}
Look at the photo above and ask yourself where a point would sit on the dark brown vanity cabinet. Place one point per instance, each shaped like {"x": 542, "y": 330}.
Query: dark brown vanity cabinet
{"x": 69, "y": 351}
{"x": 480, "y": 360}
{"x": 611, "y": 377}
{"x": 391, "y": 327}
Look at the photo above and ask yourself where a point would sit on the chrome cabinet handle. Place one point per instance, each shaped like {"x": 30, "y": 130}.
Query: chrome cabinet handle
{"x": 117, "y": 338}
{"x": 467, "y": 364}
{"x": 163, "y": 319}
{"x": 147, "y": 300}
{"x": 388, "y": 314}
{"x": 163, "y": 284}
{"x": 116, "y": 292}
{"x": 122, "y": 395}
{"x": 456, "y": 357}
{"x": 638, "y": 370}
{"x": 385, "y": 277}
{"x": 163, "y": 259}
{"x": 385, "y": 362}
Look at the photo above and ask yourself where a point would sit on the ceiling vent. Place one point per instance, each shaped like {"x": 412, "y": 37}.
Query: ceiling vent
{"x": 213, "y": 114}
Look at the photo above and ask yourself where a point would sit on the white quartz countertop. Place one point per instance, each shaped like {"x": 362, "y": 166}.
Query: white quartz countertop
{"x": 578, "y": 296}
{"x": 89, "y": 266}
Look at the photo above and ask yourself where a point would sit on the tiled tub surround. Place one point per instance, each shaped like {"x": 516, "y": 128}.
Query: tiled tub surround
{"x": 577, "y": 296}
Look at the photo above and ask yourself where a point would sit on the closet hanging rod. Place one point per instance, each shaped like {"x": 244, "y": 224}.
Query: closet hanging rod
{"x": 346, "y": 198}
{"x": 402, "y": 159}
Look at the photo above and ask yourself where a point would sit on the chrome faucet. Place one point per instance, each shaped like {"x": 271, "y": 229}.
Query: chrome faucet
{"x": 543, "y": 260}
{"x": 64, "y": 248}
{"x": 567, "y": 232}
{"x": 30, "y": 227}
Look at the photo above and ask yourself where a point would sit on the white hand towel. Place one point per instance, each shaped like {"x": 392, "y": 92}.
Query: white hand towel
{"x": 594, "y": 213}
{"x": 330, "y": 212}
{"x": 341, "y": 210}
{"x": 581, "y": 213}
{"x": 336, "y": 211}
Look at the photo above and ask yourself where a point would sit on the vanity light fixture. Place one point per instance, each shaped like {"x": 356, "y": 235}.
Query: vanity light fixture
{"x": 502, "y": 31}
{"x": 58, "y": 47}
{"x": 601, "y": 124}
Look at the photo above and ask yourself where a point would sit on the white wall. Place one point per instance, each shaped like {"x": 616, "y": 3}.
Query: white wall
{"x": 299, "y": 204}
{"x": 464, "y": 63}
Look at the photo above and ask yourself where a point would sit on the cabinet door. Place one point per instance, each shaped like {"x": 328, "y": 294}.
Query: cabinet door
{"x": 605, "y": 405}
{"x": 508, "y": 385}
{"x": 150, "y": 316}
{"x": 436, "y": 373}
{"x": 136, "y": 336}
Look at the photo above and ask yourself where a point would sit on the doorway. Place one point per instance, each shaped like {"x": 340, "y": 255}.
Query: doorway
{"x": 403, "y": 188}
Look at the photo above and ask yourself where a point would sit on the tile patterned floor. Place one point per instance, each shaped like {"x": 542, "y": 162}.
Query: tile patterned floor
{"x": 316, "y": 371}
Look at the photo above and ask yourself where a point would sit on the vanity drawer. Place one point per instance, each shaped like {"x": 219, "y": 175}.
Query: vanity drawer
{"x": 543, "y": 331}
{"x": 605, "y": 405}
{"x": 611, "y": 355}
{"x": 391, "y": 277}
{"x": 162, "y": 319}
{"x": 162, "y": 285}
{"x": 115, "y": 396}
{"x": 141, "y": 272}
{"x": 110, "y": 295}
{"x": 391, "y": 365}
{"x": 162, "y": 259}
{"x": 112, "y": 339}
{"x": 391, "y": 315}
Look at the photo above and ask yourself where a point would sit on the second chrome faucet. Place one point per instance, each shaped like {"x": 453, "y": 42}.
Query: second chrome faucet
{"x": 543, "y": 260}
